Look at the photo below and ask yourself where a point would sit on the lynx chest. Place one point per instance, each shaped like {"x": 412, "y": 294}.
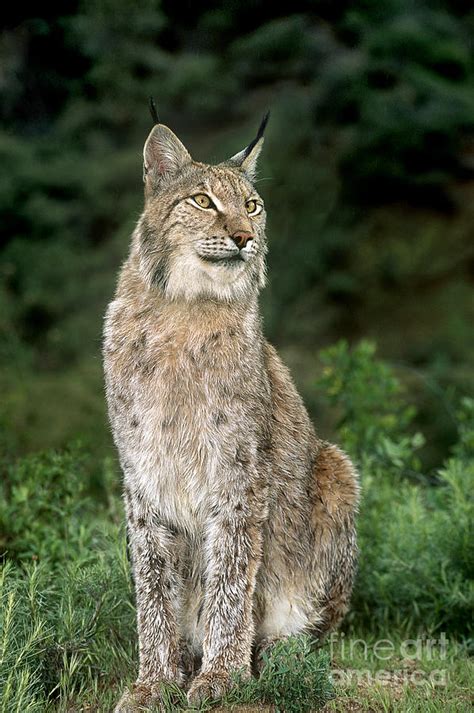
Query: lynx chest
{"x": 185, "y": 403}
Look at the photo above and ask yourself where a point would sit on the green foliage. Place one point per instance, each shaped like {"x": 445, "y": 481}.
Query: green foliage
{"x": 67, "y": 630}
{"x": 294, "y": 679}
{"x": 417, "y": 560}
{"x": 281, "y": 47}
{"x": 45, "y": 511}
{"x": 20, "y": 649}
{"x": 66, "y": 618}
{"x": 405, "y": 91}
{"x": 64, "y": 634}
{"x": 464, "y": 448}
{"x": 416, "y": 568}
{"x": 373, "y": 415}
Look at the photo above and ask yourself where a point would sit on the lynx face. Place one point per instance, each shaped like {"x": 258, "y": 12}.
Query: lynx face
{"x": 202, "y": 233}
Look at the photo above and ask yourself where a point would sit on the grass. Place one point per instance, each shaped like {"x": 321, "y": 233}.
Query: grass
{"x": 67, "y": 622}
{"x": 410, "y": 679}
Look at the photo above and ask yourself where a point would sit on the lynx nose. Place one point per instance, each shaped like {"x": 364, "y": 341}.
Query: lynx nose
{"x": 241, "y": 238}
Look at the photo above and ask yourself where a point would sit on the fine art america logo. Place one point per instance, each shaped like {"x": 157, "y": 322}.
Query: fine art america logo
{"x": 412, "y": 661}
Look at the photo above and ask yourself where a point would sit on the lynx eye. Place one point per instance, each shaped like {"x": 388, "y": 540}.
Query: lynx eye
{"x": 203, "y": 201}
{"x": 253, "y": 208}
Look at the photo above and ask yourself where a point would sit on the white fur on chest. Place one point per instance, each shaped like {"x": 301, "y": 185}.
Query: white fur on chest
{"x": 175, "y": 448}
{"x": 185, "y": 410}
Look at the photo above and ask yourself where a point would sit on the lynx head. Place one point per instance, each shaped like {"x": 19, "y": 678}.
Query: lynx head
{"x": 202, "y": 232}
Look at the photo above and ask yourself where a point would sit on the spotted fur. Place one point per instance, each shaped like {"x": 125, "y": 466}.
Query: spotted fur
{"x": 240, "y": 519}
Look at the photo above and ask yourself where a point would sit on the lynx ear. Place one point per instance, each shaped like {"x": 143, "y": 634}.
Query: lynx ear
{"x": 163, "y": 154}
{"x": 246, "y": 160}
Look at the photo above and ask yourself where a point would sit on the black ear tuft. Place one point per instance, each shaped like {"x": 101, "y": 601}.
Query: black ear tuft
{"x": 260, "y": 132}
{"x": 153, "y": 111}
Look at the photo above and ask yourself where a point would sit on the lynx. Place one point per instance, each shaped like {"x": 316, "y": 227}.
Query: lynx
{"x": 241, "y": 521}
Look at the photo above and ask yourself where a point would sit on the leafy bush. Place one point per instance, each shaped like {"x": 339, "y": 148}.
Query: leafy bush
{"x": 416, "y": 568}
{"x": 66, "y": 618}
{"x": 373, "y": 416}
{"x": 294, "y": 679}
{"x": 46, "y": 512}
{"x": 67, "y": 628}
{"x": 64, "y": 634}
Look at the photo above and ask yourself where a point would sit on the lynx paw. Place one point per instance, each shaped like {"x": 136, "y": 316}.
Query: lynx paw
{"x": 135, "y": 698}
{"x": 209, "y": 686}
{"x": 262, "y": 650}
{"x": 140, "y": 697}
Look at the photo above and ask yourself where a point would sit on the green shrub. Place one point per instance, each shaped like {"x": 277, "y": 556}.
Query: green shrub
{"x": 416, "y": 567}
{"x": 65, "y": 634}
{"x": 21, "y": 646}
{"x": 67, "y": 626}
{"x": 46, "y": 512}
{"x": 294, "y": 679}
{"x": 373, "y": 415}
{"x": 464, "y": 448}
{"x": 66, "y": 614}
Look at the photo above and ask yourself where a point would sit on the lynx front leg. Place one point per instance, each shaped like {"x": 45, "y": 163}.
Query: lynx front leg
{"x": 234, "y": 550}
{"x": 158, "y": 593}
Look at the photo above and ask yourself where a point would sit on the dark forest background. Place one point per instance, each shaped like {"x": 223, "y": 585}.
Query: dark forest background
{"x": 367, "y": 173}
